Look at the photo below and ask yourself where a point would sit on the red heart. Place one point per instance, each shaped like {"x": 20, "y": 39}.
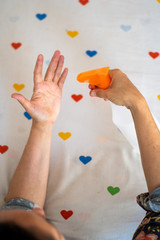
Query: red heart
{"x": 16, "y": 45}
{"x": 77, "y": 97}
{"x": 66, "y": 214}
{"x": 3, "y": 149}
{"x": 83, "y": 2}
{"x": 154, "y": 54}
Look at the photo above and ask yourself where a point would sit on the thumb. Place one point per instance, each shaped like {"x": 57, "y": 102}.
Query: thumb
{"x": 100, "y": 93}
{"x": 23, "y": 101}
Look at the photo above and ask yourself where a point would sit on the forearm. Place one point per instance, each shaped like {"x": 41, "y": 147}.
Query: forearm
{"x": 31, "y": 176}
{"x": 148, "y": 136}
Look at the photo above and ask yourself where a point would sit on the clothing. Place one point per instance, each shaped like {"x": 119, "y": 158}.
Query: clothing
{"x": 20, "y": 203}
{"x": 149, "y": 229}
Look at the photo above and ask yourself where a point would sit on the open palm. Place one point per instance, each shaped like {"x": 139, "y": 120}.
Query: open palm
{"x": 45, "y": 102}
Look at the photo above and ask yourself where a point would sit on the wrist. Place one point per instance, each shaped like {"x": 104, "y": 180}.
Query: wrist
{"x": 138, "y": 105}
{"x": 42, "y": 126}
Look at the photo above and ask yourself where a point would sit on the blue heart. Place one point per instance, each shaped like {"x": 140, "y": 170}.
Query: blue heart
{"x": 47, "y": 62}
{"x": 27, "y": 115}
{"x": 84, "y": 159}
{"x": 125, "y": 28}
{"x": 41, "y": 16}
{"x": 91, "y": 53}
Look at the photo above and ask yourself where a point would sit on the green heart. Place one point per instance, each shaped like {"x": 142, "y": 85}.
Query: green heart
{"x": 113, "y": 190}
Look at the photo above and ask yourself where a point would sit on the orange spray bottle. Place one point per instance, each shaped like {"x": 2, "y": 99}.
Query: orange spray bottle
{"x": 96, "y": 78}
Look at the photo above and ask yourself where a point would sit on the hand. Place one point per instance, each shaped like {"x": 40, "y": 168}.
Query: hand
{"x": 121, "y": 91}
{"x": 44, "y": 105}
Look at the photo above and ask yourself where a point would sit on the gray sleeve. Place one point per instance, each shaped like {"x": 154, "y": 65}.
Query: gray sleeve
{"x": 18, "y": 203}
{"x": 150, "y": 202}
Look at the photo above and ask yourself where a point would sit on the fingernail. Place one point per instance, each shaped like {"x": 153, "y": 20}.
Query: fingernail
{"x": 93, "y": 93}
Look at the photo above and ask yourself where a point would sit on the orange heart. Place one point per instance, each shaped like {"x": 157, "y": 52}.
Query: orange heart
{"x": 72, "y": 33}
{"x": 158, "y": 1}
{"x": 158, "y": 97}
{"x": 64, "y": 136}
{"x": 18, "y": 87}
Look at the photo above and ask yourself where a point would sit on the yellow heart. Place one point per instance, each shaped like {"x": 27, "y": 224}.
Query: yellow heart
{"x": 72, "y": 33}
{"x": 5, "y": 199}
{"x": 158, "y": 1}
{"x": 158, "y": 97}
{"x": 18, "y": 87}
{"x": 64, "y": 136}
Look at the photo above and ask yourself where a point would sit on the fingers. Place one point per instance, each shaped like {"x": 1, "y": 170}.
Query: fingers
{"x": 38, "y": 69}
{"x": 59, "y": 69}
{"x": 23, "y": 101}
{"x": 52, "y": 66}
{"x": 91, "y": 87}
{"x": 63, "y": 78}
{"x": 100, "y": 93}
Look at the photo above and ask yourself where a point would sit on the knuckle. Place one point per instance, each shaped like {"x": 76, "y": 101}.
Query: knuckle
{"x": 117, "y": 70}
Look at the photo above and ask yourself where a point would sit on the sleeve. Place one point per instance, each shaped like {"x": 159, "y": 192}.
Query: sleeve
{"x": 150, "y": 225}
{"x": 150, "y": 202}
{"x": 19, "y": 203}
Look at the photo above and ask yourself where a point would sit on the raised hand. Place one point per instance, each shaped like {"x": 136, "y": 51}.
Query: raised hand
{"x": 44, "y": 106}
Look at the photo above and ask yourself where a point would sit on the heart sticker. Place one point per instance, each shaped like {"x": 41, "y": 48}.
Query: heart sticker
{"x": 16, "y": 45}
{"x": 77, "y": 97}
{"x": 125, "y": 28}
{"x": 66, "y": 214}
{"x": 158, "y": 1}
{"x": 64, "y": 136}
{"x": 84, "y": 159}
{"x": 72, "y": 33}
{"x": 91, "y": 53}
{"x": 18, "y": 87}
{"x": 154, "y": 54}
{"x": 84, "y": 2}
{"x": 41, "y": 16}
{"x": 3, "y": 148}
{"x": 113, "y": 190}
{"x": 158, "y": 97}
{"x": 27, "y": 115}
{"x": 47, "y": 62}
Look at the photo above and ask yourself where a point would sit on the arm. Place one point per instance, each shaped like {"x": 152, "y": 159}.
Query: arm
{"x": 123, "y": 92}
{"x": 31, "y": 176}
{"x": 148, "y": 136}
